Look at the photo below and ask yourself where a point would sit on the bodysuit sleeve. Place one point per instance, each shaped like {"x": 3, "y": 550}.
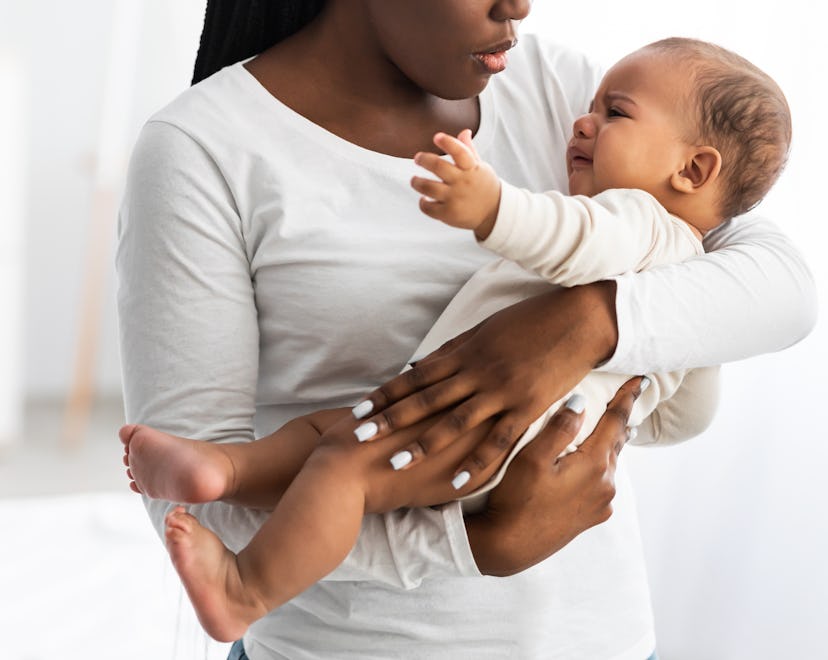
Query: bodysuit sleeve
{"x": 687, "y": 413}
{"x": 189, "y": 347}
{"x": 749, "y": 293}
{"x": 571, "y": 240}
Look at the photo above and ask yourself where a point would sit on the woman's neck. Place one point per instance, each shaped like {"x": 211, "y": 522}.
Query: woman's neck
{"x": 333, "y": 73}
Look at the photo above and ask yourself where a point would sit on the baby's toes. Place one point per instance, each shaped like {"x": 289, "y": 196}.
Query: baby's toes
{"x": 125, "y": 433}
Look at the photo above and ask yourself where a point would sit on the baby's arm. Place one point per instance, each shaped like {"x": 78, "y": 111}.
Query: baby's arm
{"x": 567, "y": 240}
{"x": 573, "y": 240}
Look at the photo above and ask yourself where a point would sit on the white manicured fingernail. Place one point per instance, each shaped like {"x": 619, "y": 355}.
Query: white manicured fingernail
{"x": 401, "y": 459}
{"x": 363, "y": 408}
{"x": 645, "y": 383}
{"x": 461, "y": 480}
{"x": 576, "y": 403}
{"x": 632, "y": 433}
{"x": 366, "y": 431}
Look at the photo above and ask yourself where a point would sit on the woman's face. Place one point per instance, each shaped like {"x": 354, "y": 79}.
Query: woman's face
{"x": 449, "y": 48}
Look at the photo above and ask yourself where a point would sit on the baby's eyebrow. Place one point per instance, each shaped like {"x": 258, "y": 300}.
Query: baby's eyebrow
{"x": 620, "y": 96}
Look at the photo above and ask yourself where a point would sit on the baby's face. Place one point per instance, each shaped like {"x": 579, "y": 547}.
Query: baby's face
{"x": 635, "y": 133}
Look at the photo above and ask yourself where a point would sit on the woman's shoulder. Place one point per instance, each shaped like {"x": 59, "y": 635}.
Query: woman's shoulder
{"x": 220, "y": 106}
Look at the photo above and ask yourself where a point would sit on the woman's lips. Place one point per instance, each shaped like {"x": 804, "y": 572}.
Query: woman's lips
{"x": 493, "y": 58}
{"x": 494, "y": 62}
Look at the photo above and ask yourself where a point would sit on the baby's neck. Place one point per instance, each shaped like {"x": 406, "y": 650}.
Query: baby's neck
{"x": 695, "y": 210}
{"x": 696, "y": 232}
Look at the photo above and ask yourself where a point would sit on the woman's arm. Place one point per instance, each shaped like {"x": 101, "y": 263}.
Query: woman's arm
{"x": 187, "y": 317}
{"x": 752, "y": 293}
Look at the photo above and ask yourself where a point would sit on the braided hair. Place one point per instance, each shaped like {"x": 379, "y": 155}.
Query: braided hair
{"x": 237, "y": 29}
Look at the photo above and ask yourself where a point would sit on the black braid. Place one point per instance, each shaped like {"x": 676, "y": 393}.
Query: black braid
{"x": 237, "y": 29}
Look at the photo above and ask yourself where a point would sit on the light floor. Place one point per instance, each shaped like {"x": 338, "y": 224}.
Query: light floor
{"x": 82, "y": 572}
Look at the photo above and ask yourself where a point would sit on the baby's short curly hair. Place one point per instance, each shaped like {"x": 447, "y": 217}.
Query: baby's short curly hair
{"x": 741, "y": 112}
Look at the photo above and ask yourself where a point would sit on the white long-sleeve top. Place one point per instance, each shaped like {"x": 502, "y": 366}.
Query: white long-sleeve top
{"x": 268, "y": 268}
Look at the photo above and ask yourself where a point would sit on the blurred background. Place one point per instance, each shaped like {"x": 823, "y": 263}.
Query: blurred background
{"x": 733, "y": 522}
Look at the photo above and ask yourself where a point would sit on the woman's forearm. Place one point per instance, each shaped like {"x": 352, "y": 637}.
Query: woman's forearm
{"x": 752, "y": 293}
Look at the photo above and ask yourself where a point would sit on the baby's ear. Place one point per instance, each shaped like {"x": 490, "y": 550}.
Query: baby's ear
{"x": 702, "y": 167}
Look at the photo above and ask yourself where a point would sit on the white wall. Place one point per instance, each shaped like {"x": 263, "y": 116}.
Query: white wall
{"x": 12, "y": 129}
{"x": 64, "y": 49}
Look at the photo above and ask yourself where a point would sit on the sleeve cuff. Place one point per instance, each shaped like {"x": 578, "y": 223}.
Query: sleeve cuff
{"x": 619, "y": 363}
{"x": 507, "y": 212}
{"x": 459, "y": 540}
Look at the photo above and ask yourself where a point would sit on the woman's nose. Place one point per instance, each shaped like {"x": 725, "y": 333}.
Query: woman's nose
{"x": 584, "y": 127}
{"x": 511, "y": 10}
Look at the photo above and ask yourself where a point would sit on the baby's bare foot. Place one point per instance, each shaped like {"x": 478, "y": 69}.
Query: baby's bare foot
{"x": 167, "y": 467}
{"x": 210, "y": 574}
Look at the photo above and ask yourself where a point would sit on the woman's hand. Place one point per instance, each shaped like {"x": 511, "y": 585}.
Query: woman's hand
{"x": 545, "y": 501}
{"x": 508, "y": 369}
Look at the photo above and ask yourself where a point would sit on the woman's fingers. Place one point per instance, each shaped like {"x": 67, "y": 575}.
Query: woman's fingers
{"x": 453, "y": 425}
{"x": 611, "y": 432}
{"x": 603, "y": 445}
{"x": 558, "y": 433}
{"x": 408, "y": 382}
{"x": 446, "y": 348}
{"x": 413, "y": 409}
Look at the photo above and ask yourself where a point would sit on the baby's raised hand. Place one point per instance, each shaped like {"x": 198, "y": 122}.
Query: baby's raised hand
{"x": 467, "y": 194}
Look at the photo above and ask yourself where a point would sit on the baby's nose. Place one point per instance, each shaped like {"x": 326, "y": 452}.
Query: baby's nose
{"x": 584, "y": 127}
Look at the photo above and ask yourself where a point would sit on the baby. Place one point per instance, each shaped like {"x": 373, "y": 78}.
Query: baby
{"x": 681, "y": 136}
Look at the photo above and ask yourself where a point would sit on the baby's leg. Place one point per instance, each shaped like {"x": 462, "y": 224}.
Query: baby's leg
{"x": 167, "y": 467}
{"x": 253, "y": 474}
{"x": 209, "y": 572}
{"x": 310, "y": 532}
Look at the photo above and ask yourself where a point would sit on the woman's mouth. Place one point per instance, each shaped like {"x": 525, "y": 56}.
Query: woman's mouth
{"x": 492, "y": 63}
{"x": 494, "y": 59}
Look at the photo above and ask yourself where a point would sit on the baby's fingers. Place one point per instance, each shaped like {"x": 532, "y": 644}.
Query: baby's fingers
{"x": 465, "y": 136}
{"x": 464, "y": 157}
{"x": 436, "y": 190}
{"x": 440, "y": 167}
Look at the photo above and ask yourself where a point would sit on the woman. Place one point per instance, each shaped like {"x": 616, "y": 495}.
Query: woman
{"x": 273, "y": 261}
